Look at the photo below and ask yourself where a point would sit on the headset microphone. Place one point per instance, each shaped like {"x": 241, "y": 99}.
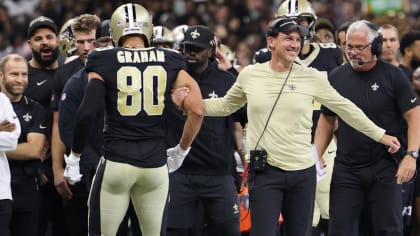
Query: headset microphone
{"x": 361, "y": 63}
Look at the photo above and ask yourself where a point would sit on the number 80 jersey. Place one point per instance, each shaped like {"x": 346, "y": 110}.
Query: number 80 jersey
{"x": 138, "y": 82}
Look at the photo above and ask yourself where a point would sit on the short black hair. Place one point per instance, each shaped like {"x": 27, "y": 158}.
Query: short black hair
{"x": 342, "y": 27}
{"x": 408, "y": 39}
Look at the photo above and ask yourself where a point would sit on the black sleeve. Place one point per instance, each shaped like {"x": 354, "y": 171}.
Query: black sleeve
{"x": 233, "y": 71}
{"x": 56, "y": 91}
{"x": 92, "y": 103}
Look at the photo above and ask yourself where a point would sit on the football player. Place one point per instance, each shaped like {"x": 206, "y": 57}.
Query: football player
{"x": 73, "y": 92}
{"x": 66, "y": 44}
{"x": 162, "y": 37}
{"x": 132, "y": 83}
{"x": 178, "y": 34}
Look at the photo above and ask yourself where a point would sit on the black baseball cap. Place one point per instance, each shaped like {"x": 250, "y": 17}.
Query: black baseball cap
{"x": 324, "y": 23}
{"x": 103, "y": 30}
{"x": 41, "y": 22}
{"x": 287, "y": 25}
{"x": 199, "y": 36}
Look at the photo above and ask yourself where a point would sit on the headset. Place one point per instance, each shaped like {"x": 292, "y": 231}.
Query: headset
{"x": 273, "y": 28}
{"x": 376, "y": 45}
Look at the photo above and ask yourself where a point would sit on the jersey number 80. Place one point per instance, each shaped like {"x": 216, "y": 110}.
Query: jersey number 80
{"x": 137, "y": 87}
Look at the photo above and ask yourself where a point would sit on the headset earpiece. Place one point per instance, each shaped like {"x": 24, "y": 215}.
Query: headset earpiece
{"x": 376, "y": 45}
{"x": 272, "y": 30}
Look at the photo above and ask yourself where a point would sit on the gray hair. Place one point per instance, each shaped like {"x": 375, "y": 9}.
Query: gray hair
{"x": 363, "y": 26}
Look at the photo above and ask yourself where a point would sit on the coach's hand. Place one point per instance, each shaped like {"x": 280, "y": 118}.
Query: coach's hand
{"x": 406, "y": 169}
{"x": 61, "y": 185}
{"x": 178, "y": 96}
{"x": 391, "y": 142}
{"x": 175, "y": 157}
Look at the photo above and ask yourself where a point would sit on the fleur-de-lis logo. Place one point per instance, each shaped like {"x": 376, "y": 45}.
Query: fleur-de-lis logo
{"x": 292, "y": 87}
{"x": 213, "y": 95}
{"x": 195, "y": 34}
{"x": 375, "y": 87}
{"x": 27, "y": 117}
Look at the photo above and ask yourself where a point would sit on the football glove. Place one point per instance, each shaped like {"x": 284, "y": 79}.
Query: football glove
{"x": 72, "y": 170}
{"x": 175, "y": 157}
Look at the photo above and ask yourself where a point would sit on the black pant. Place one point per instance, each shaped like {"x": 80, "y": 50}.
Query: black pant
{"x": 372, "y": 188}
{"x": 76, "y": 210}
{"x": 291, "y": 192}
{"x": 196, "y": 200}
{"x": 26, "y": 205}
{"x": 51, "y": 211}
{"x": 5, "y": 216}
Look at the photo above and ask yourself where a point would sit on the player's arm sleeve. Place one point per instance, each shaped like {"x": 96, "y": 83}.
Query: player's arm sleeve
{"x": 92, "y": 103}
{"x": 233, "y": 71}
{"x": 56, "y": 91}
{"x": 73, "y": 90}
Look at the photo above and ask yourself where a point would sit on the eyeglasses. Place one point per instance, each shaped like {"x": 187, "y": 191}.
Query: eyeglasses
{"x": 358, "y": 48}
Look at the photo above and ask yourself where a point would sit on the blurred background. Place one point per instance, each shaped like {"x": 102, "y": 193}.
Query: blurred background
{"x": 240, "y": 24}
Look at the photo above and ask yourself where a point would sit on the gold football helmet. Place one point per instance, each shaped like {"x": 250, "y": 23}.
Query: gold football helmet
{"x": 131, "y": 19}
{"x": 162, "y": 34}
{"x": 178, "y": 34}
{"x": 227, "y": 52}
{"x": 301, "y": 10}
{"x": 66, "y": 44}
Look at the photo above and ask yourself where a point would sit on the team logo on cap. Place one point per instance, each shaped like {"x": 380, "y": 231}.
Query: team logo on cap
{"x": 195, "y": 34}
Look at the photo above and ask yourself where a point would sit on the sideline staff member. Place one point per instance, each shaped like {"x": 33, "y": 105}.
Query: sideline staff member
{"x": 287, "y": 184}
{"x": 364, "y": 174}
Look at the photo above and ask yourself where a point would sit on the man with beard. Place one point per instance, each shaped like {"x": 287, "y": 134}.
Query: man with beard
{"x": 43, "y": 40}
{"x": 410, "y": 50}
{"x": 210, "y": 160}
{"x": 31, "y": 148}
